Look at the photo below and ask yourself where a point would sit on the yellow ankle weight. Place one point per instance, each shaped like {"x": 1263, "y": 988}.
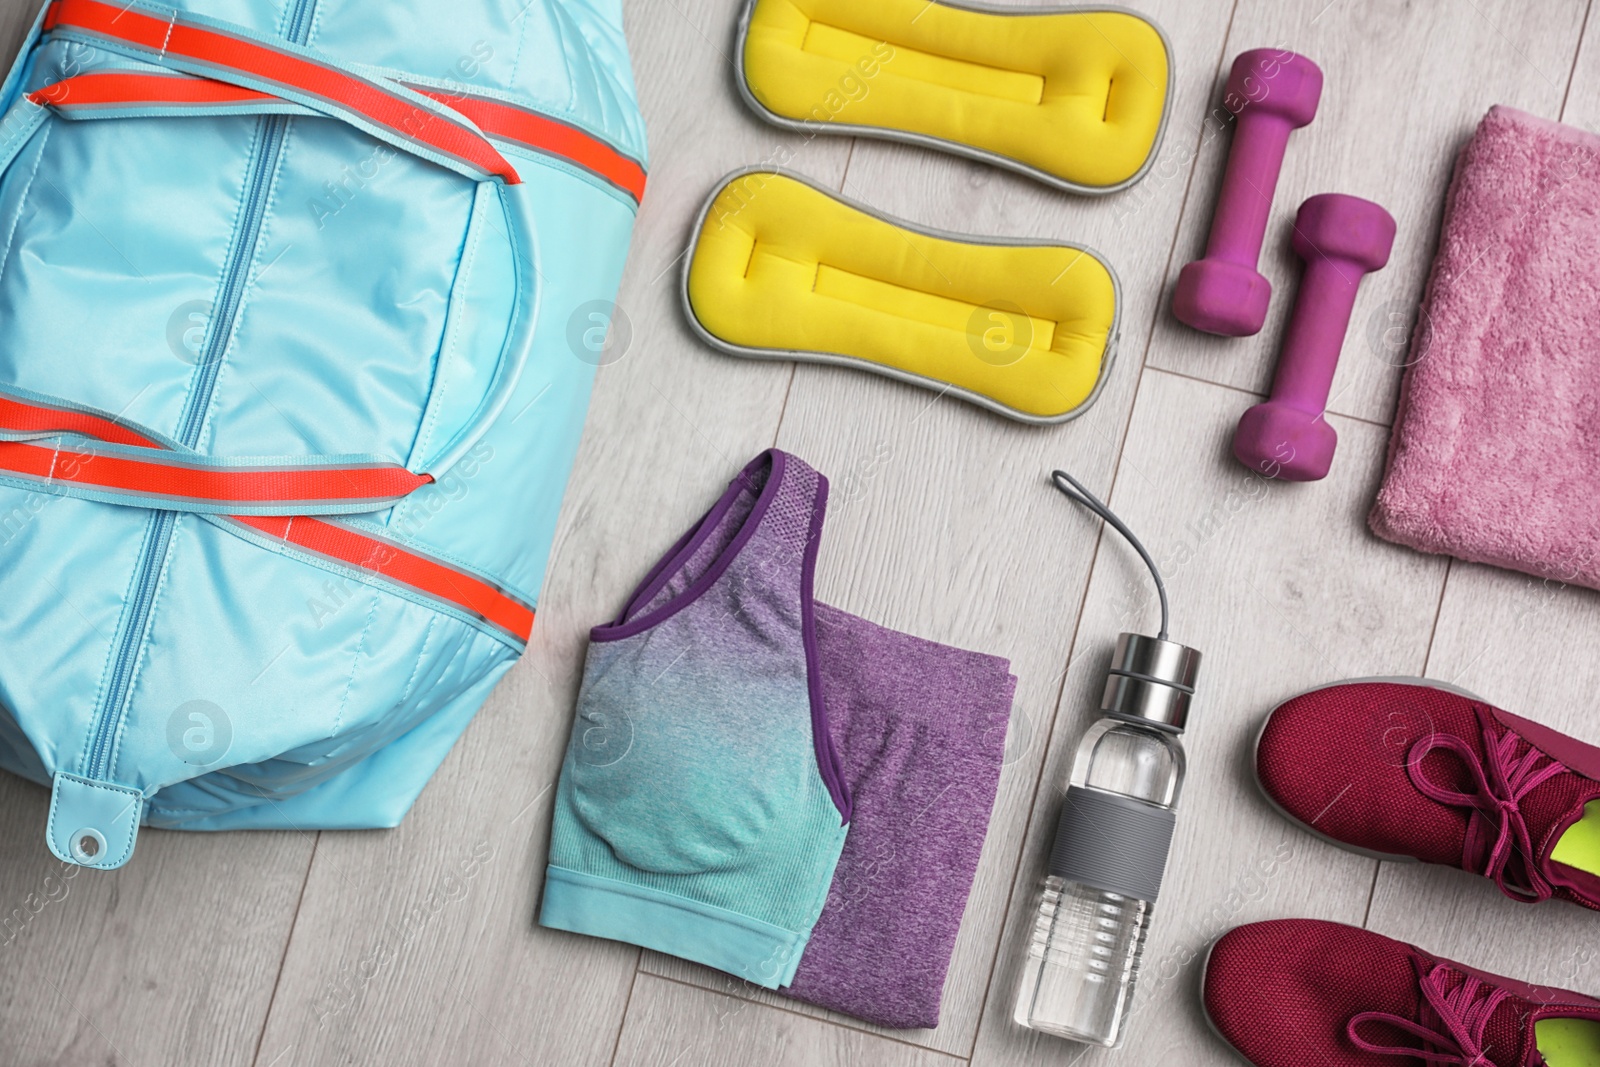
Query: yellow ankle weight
{"x": 1074, "y": 97}
{"x": 781, "y": 269}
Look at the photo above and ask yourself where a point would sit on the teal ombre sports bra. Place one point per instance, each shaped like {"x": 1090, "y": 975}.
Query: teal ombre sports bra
{"x": 701, "y": 809}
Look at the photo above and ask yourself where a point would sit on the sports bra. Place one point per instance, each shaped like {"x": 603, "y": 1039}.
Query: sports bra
{"x": 701, "y": 808}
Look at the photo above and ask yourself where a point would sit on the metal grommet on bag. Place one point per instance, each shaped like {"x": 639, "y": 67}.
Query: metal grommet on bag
{"x": 88, "y": 845}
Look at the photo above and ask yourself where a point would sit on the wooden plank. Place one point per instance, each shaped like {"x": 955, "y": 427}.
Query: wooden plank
{"x": 418, "y": 945}
{"x": 168, "y": 960}
{"x": 670, "y": 1023}
{"x": 948, "y": 528}
{"x": 1281, "y": 588}
{"x": 1405, "y": 86}
{"x": 671, "y": 420}
{"x": 1582, "y": 104}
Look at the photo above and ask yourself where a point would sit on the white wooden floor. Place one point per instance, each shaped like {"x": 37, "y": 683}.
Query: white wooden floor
{"x": 352, "y": 948}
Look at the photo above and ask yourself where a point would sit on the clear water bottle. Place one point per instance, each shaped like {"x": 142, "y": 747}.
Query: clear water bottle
{"x": 1088, "y": 930}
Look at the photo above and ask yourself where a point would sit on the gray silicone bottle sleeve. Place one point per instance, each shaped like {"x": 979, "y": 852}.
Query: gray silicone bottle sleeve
{"x": 1112, "y": 843}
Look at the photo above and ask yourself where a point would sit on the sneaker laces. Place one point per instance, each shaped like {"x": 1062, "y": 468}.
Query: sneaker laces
{"x": 1496, "y": 800}
{"x": 1450, "y": 1021}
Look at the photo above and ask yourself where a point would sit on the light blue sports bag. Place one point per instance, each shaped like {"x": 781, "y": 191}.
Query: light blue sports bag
{"x": 300, "y": 305}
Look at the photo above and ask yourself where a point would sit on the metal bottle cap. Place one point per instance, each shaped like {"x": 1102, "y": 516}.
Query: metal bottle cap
{"x": 1151, "y": 681}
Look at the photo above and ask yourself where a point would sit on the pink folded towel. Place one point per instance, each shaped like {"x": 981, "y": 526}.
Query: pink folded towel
{"x": 1495, "y": 456}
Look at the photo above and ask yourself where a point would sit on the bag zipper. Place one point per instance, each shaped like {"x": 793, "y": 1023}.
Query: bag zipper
{"x": 158, "y": 538}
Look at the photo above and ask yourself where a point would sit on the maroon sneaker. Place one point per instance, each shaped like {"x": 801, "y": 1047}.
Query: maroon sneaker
{"x": 1307, "y": 993}
{"x": 1402, "y": 770}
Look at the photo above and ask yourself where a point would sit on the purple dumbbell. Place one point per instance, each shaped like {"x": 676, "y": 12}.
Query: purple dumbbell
{"x": 1341, "y": 238}
{"x": 1223, "y": 293}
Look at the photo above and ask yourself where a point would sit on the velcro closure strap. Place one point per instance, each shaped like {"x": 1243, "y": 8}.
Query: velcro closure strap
{"x": 194, "y": 44}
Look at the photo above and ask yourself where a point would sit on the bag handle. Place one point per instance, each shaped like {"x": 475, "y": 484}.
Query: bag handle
{"x": 227, "y": 52}
{"x": 306, "y": 79}
{"x": 221, "y": 66}
{"x": 139, "y": 93}
{"x": 143, "y": 469}
{"x": 371, "y": 554}
{"x": 52, "y": 445}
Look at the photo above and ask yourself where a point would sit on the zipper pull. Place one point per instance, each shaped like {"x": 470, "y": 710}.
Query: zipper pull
{"x": 93, "y": 824}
